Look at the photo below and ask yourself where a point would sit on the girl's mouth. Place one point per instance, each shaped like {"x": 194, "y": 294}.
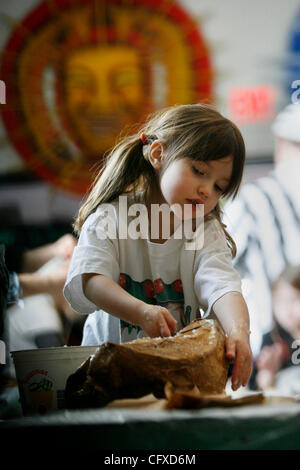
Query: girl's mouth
{"x": 195, "y": 202}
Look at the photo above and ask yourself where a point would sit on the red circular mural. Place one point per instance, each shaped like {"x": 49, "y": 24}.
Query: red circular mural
{"x": 80, "y": 72}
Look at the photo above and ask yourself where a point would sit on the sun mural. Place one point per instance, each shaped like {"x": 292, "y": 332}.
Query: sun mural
{"x": 78, "y": 73}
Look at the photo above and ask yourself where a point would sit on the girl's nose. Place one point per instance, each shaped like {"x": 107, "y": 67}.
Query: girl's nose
{"x": 205, "y": 190}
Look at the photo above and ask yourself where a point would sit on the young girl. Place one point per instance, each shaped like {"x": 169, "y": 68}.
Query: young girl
{"x": 185, "y": 156}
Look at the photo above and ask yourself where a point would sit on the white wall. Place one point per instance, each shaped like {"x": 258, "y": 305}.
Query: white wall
{"x": 249, "y": 47}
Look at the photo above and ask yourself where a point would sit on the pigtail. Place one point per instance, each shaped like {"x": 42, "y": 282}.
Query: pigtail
{"x": 124, "y": 170}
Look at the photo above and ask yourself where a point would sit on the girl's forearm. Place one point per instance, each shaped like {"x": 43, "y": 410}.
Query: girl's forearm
{"x": 109, "y": 296}
{"x": 232, "y": 312}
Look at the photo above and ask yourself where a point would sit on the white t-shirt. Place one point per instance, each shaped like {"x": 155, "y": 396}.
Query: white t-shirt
{"x": 187, "y": 282}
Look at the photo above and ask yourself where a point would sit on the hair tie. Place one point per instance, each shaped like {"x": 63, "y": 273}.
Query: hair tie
{"x": 144, "y": 138}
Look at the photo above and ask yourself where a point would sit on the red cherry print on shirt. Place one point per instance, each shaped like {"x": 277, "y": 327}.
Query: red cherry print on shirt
{"x": 178, "y": 286}
{"x": 158, "y": 286}
{"x": 149, "y": 288}
{"x": 122, "y": 281}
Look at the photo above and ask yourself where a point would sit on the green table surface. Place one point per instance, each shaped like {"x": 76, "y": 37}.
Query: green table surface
{"x": 256, "y": 427}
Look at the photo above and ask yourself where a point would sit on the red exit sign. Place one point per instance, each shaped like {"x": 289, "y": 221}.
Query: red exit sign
{"x": 252, "y": 104}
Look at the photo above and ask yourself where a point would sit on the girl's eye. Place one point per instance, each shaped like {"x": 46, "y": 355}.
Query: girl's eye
{"x": 220, "y": 190}
{"x": 196, "y": 171}
{"x": 201, "y": 173}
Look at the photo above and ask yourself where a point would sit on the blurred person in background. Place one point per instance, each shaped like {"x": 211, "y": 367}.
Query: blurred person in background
{"x": 264, "y": 220}
{"x": 279, "y": 346}
{"x": 34, "y": 313}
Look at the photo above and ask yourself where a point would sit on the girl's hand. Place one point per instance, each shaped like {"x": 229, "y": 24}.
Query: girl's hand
{"x": 157, "y": 321}
{"x": 238, "y": 349}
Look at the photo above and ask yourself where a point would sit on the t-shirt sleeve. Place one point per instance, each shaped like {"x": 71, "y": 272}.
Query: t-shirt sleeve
{"x": 214, "y": 274}
{"x": 96, "y": 252}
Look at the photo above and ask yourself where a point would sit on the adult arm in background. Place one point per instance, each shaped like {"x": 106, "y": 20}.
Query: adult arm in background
{"x": 37, "y": 257}
{"x": 51, "y": 283}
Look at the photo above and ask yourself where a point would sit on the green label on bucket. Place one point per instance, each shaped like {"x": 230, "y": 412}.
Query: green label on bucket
{"x": 37, "y": 392}
{"x": 43, "y": 384}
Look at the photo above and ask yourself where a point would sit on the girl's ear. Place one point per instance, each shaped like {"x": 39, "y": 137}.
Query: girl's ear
{"x": 156, "y": 156}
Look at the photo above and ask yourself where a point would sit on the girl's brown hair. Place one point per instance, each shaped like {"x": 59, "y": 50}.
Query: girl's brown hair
{"x": 195, "y": 131}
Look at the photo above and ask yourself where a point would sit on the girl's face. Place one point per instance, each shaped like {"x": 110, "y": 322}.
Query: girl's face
{"x": 193, "y": 182}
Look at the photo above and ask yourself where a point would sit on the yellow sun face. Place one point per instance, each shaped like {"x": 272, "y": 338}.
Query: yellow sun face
{"x": 104, "y": 90}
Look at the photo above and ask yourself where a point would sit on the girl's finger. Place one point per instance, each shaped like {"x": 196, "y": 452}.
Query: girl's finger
{"x": 171, "y": 322}
{"x": 245, "y": 365}
{"x": 163, "y": 328}
{"x": 237, "y": 372}
{"x": 246, "y": 373}
{"x": 235, "y": 381}
{"x": 230, "y": 349}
